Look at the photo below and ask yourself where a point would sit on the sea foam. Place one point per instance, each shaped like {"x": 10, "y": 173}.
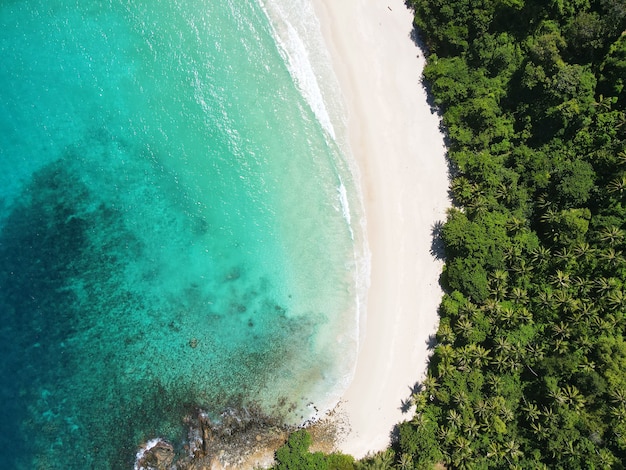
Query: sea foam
{"x": 297, "y": 32}
{"x": 297, "y": 55}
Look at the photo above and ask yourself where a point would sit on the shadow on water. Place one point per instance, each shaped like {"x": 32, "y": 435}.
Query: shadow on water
{"x": 40, "y": 245}
{"x": 44, "y": 244}
{"x": 69, "y": 323}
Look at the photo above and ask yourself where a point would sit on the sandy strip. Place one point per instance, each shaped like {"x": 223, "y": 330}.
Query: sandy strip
{"x": 400, "y": 152}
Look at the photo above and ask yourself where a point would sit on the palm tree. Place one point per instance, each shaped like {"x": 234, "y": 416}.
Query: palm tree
{"x": 406, "y": 462}
{"x": 618, "y": 413}
{"x": 445, "y": 369}
{"x": 532, "y": 411}
{"x": 565, "y": 255}
{"x": 507, "y": 315}
{"x": 618, "y": 397}
{"x": 445, "y": 334}
{"x": 612, "y": 235}
{"x": 463, "y": 363}
{"x": 498, "y": 280}
{"x": 617, "y": 298}
{"x": 480, "y": 355}
{"x": 515, "y": 224}
{"x": 495, "y": 382}
{"x": 481, "y": 409}
{"x": 604, "y": 104}
{"x": 511, "y": 449}
{"x": 491, "y": 306}
{"x": 471, "y": 428}
{"x": 469, "y": 308}
{"x": 541, "y": 255}
{"x": 463, "y": 191}
{"x": 561, "y": 330}
{"x": 606, "y": 458}
{"x": 381, "y": 461}
{"x": 502, "y": 192}
{"x": 502, "y": 345}
{"x": 587, "y": 366}
{"x": 558, "y": 396}
{"x": 583, "y": 311}
{"x": 499, "y": 276}
{"x": 464, "y": 327}
{"x": 460, "y": 398}
{"x": 550, "y": 216}
{"x": 536, "y": 351}
{"x": 561, "y": 279}
{"x": 430, "y": 385}
{"x": 501, "y": 362}
{"x": 506, "y": 414}
{"x": 420, "y": 421}
{"x": 574, "y": 398}
{"x": 420, "y": 401}
{"x": 603, "y": 284}
{"x": 544, "y": 201}
{"x": 560, "y": 346}
{"x": 511, "y": 254}
{"x": 497, "y": 404}
{"x": 522, "y": 268}
{"x": 601, "y": 325}
{"x": 617, "y": 185}
{"x": 539, "y": 430}
{"x": 549, "y": 415}
{"x": 445, "y": 434}
{"x": 519, "y": 295}
{"x": 612, "y": 257}
{"x": 445, "y": 352}
{"x": 525, "y": 315}
{"x": 587, "y": 308}
{"x": 545, "y": 299}
{"x": 583, "y": 249}
{"x": 463, "y": 452}
{"x": 561, "y": 299}
{"x": 478, "y": 206}
{"x": 454, "y": 419}
{"x": 581, "y": 283}
{"x": 495, "y": 451}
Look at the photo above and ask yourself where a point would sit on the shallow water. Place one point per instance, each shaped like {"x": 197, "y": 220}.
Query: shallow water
{"x": 174, "y": 227}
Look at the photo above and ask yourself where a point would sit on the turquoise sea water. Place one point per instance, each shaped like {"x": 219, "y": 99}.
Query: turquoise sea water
{"x": 174, "y": 224}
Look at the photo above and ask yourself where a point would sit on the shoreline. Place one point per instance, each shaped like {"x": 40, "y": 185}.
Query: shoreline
{"x": 400, "y": 153}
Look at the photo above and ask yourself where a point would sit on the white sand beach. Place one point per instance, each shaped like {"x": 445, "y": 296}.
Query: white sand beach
{"x": 399, "y": 149}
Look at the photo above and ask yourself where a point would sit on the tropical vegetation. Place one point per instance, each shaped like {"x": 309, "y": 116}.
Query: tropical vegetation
{"x": 529, "y": 370}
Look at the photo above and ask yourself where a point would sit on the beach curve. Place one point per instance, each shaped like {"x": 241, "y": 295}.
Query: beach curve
{"x": 396, "y": 140}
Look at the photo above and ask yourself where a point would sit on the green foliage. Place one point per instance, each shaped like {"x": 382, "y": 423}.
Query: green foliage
{"x": 295, "y": 455}
{"x": 575, "y": 182}
{"x": 530, "y": 366}
{"x": 613, "y": 70}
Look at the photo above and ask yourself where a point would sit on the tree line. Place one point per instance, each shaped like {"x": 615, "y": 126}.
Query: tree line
{"x": 529, "y": 370}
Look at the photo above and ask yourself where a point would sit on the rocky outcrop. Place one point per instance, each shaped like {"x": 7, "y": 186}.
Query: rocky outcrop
{"x": 156, "y": 454}
{"x": 237, "y": 439}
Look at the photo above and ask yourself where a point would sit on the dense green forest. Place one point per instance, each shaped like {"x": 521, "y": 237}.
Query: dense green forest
{"x": 530, "y": 366}
{"x": 529, "y": 370}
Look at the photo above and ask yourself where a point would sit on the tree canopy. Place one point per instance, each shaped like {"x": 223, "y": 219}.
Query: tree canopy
{"x": 529, "y": 370}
